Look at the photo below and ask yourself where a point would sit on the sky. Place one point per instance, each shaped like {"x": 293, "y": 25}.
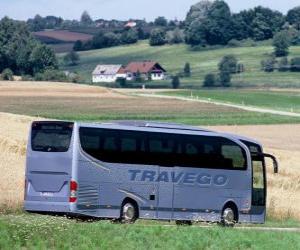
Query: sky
{"x": 122, "y": 9}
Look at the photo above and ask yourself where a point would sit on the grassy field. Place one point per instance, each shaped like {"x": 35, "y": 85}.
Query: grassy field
{"x": 173, "y": 58}
{"x": 33, "y": 231}
{"x": 277, "y": 100}
{"x": 78, "y": 102}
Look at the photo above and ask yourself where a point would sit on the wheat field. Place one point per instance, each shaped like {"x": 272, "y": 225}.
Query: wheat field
{"x": 283, "y": 141}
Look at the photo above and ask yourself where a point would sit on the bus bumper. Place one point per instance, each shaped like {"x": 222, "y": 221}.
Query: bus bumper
{"x": 38, "y": 206}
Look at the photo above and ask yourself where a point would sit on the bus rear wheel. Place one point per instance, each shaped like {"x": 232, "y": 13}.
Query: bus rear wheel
{"x": 183, "y": 223}
{"x": 229, "y": 217}
{"x": 129, "y": 213}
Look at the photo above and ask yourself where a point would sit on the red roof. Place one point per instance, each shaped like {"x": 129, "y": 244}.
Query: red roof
{"x": 143, "y": 67}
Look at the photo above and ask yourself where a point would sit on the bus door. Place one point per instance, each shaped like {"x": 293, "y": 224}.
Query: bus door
{"x": 49, "y": 162}
{"x": 162, "y": 148}
{"x": 258, "y": 209}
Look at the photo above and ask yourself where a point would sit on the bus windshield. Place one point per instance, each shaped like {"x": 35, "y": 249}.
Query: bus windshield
{"x": 51, "y": 136}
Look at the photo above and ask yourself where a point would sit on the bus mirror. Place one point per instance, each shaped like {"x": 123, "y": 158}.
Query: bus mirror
{"x": 275, "y": 163}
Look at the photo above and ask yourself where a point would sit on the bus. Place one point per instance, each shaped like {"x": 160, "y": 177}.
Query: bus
{"x": 126, "y": 170}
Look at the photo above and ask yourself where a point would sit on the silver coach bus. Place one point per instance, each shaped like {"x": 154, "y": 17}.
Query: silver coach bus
{"x": 149, "y": 170}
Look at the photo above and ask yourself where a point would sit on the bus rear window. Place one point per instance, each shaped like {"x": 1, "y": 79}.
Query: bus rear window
{"x": 51, "y": 137}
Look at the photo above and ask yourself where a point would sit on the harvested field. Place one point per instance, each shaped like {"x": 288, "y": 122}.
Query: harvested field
{"x": 62, "y": 35}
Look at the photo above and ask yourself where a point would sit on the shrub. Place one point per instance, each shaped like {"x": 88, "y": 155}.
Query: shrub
{"x": 51, "y": 75}
{"x": 225, "y": 78}
{"x": 7, "y": 75}
{"x": 234, "y": 43}
{"x": 228, "y": 64}
{"x": 121, "y": 81}
{"x": 295, "y": 64}
{"x": 157, "y": 37}
{"x": 268, "y": 65}
{"x": 175, "y": 36}
{"x": 240, "y": 68}
{"x": 175, "y": 82}
{"x": 283, "y": 65}
{"x": 71, "y": 58}
{"x": 187, "y": 70}
{"x": 209, "y": 80}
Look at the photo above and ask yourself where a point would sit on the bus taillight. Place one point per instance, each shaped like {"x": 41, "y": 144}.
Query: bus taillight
{"x": 73, "y": 191}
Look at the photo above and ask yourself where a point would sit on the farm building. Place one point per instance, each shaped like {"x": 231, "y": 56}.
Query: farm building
{"x": 148, "y": 70}
{"x": 108, "y": 73}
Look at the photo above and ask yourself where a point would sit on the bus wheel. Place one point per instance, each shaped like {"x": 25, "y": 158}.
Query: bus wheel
{"x": 183, "y": 223}
{"x": 129, "y": 213}
{"x": 228, "y": 217}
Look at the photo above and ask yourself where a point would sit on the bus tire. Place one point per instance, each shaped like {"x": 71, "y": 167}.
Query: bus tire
{"x": 183, "y": 223}
{"x": 229, "y": 216}
{"x": 129, "y": 212}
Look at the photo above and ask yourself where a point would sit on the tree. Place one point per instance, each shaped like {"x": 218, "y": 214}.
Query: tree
{"x": 129, "y": 36}
{"x": 86, "y": 19}
{"x": 175, "y": 36}
{"x": 157, "y": 37}
{"x": 293, "y": 17}
{"x": 41, "y": 58}
{"x": 295, "y": 64}
{"x": 281, "y": 44}
{"x": 7, "y": 75}
{"x": 228, "y": 64}
{"x": 161, "y": 21}
{"x": 209, "y": 80}
{"x": 283, "y": 64}
{"x": 78, "y": 45}
{"x": 198, "y": 11}
{"x": 195, "y": 33}
{"x": 71, "y": 58}
{"x": 122, "y": 82}
{"x": 175, "y": 82}
{"x": 187, "y": 70}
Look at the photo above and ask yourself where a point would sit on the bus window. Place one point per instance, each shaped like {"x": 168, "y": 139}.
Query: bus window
{"x": 235, "y": 154}
{"x": 51, "y": 136}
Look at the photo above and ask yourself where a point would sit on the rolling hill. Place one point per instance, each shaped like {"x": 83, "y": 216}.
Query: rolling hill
{"x": 173, "y": 58}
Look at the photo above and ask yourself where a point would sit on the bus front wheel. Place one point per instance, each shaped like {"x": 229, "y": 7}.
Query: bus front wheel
{"x": 129, "y": 212}
{"x": 229, "y": 217}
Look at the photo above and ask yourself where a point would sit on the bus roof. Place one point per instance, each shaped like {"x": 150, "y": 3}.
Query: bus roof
{"x": 165, "y": 126}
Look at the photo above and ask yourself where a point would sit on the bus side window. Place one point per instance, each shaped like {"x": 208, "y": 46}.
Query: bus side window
{"x": 235, "y": 155}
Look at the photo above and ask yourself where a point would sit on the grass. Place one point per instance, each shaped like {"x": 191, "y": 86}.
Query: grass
{"x": 173, "y": 58}
{"x": 34, "y": 231}
{"x": 135, "y": 108}
{"x": 277, "y": 100}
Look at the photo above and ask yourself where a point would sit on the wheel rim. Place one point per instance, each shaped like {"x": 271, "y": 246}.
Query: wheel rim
{"x": 228, "y": 216}
{"x": 128, "y": 212}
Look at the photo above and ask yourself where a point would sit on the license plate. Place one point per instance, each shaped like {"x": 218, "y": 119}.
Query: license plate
{"x": 46, "y": 194}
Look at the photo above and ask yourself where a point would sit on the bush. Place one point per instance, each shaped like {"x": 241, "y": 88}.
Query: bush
{"x": 122, "y": 82}
{"x": 228, "y": 64}
{"x": 295, "y": 64}
{"x": 268, "y": 65}
{"x": 157, "y": 37}
{"x": 71, "y": 58}
{"x": 234, "y": 43}
{"x": 175, "y": 82}
{"x": 51, "y": 75}
{"x": 225, "y": 78}
{"x": 209, "y": 80}
{"x": 283, "y": 65}
{"x": 240, "y": 68}
{"x": 175, "y": 36}
{"x": 187, "y": 70}
{"x": 7, "y": 75}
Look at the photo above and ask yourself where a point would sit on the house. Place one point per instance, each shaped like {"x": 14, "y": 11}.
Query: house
{"x": 147, "y": 70}
{"x": 130, "y": 24}
{"x": 108, "y": 73}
